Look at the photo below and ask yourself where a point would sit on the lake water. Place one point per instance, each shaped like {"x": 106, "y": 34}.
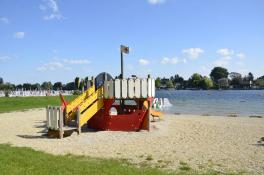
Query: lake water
{"x": 213, "y": 102}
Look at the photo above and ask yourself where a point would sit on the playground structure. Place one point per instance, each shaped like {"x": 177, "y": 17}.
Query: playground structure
{"x": 108, "y": 104}
{"x": 118, "y": 104}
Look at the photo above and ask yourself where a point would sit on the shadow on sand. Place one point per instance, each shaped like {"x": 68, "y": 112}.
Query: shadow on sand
{"x": 260, "y": 142}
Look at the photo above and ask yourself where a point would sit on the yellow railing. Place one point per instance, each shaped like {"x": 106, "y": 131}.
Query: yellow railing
{"x": 80, "y": 99}
{"x": 98, "y": 94}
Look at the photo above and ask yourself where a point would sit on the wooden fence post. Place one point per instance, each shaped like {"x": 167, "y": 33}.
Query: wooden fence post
{"x": 78, "y": 121}
{"x": 61, "y": 122}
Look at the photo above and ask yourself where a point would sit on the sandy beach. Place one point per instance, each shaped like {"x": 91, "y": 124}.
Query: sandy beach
{"x": 219, "y": 143}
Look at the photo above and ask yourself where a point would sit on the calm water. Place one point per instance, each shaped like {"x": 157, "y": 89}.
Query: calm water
{"x": 241, "y": 102}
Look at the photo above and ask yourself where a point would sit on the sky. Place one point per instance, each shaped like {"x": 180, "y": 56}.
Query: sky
{"x": 57, "y": 40}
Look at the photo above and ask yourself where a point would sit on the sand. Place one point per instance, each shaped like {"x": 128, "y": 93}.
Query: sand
{"x": 220, "y": 143}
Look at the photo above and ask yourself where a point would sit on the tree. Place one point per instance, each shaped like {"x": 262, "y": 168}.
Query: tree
{"x": 19, "y": 86}
{"x": 1, "y": 80}
{"x": 164, "y": 81}
{"x": 260, "y": 82}
{"x": 77, "y": 83}
{"x": 169, "y": 84}
{"x": 206, "y": 83}
{"x": 86, "y": 82}
{"x": 250, "y": 76}
{"x": 158, "y": 82}
{"x": 57, "y": 86}
{"x": 236, "y": 79}
{"x": 218, "y": 73}
{"x": 46, "y": 85}
{"x": 82, "y": 84}
{"x": 27, "y": 86}
{"x": 178, "y": 79}
{"x": 35, "y": 86}
{"x": 195, "y": 80}
{"x": 7, "y": 86}
{"x": 69, "y": 86}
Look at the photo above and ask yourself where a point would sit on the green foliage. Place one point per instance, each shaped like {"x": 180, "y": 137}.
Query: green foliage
{"x": 69, "y": 86}
{"x": 57, "y": 86}
{"x": 1, "y": 80}
{"x": 250, "y": 77}
{"x": 46, "y": 85}
{"x": 77, "y": 83}
{"x": 23, "y": 103}
{"x": 195, "y": 80}
{"x": 218, "y": 73}
{"x": 82, "y": 85}
{"x": 206, "y": 83}
{"x": 7, "y": 87}
{"x": 236, "y": 81}
{"x": 86, "y": 82}
{"x": 35, "y": 86}
{"x": 169, "y": 84}
{"x": 260, "y": 82}
{"x": 158, "y": 82}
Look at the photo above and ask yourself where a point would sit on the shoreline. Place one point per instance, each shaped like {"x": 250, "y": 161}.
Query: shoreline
{"x": 213, "y": 115}
{"x": 220, "y": 143}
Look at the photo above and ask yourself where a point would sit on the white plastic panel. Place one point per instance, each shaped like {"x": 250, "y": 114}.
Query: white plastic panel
{"x": 153, "y": 87}
{"x": 117, "y": 88}
{"x": 124, "y": 88}
{"x": 149, "y": 87}
{"x": 137, "y": 88}
{"x": 144, "y": 88}
{"x": 131, "y": 88}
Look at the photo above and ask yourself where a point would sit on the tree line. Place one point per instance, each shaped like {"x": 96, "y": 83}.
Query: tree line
{"x": 77, "y": 84}
{"x": 219, "y": 78}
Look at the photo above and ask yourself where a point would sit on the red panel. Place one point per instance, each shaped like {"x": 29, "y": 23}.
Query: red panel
{"x": 131, "y": 118}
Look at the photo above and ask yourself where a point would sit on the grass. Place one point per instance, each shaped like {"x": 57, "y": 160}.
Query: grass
{"x": 19, "y": 161}
{"x": 8, "y": 104}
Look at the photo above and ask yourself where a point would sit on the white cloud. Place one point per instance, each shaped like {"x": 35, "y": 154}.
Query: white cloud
{"x": 241, "y": 56}
{"x": 51, "y": 6}
{"x": 143, "y": 62}
{"x": 19, "y": 35}
{"x": 167, "y": 60}
{"x": 221, "y": 62}
{"x": 62, "y": 64}
{"x": 4, "y": 20}
{"x": 225, "y": 52}
{"x": 76, "y": 61}
{"x": 154, "y": 2}
{"x": 193, "y": 53}
{"x": 4, "y": 58}
{"x": 53, "y": 65}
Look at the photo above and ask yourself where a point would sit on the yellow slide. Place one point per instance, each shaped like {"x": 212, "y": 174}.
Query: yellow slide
{"x": 88, "y": 103}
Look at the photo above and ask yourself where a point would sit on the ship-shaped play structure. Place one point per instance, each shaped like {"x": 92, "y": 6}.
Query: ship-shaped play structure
{"x": 120, "y": 104}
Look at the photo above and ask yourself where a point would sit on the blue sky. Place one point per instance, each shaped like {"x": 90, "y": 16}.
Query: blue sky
{"x": 58, "y": 40}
